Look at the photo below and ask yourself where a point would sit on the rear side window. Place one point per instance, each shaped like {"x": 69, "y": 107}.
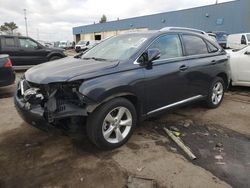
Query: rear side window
{"x": 9, "y": 42}
{"x": 194, "y": 45}
{"x": 212, "y": 48}
{"x": 169, "y": 46}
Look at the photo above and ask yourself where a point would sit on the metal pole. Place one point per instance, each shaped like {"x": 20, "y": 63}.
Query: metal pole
{"x": 216, "y": 2}
{"x": 25, "y": 18}
{"x": 37, "y": 32}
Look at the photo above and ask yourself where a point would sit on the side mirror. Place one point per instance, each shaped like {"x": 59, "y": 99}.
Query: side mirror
{"x": 38, "y": 47}
{"x": 153, "y": 54}
{"x": 247, "y": 53}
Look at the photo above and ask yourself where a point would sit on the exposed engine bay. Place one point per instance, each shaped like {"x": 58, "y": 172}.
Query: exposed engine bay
{"x": 57, "y": 100}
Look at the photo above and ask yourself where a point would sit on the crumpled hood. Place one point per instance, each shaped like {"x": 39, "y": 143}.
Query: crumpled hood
{"x": 66, "y": 69}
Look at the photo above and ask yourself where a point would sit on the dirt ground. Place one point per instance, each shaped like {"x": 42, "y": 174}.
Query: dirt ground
{"x": 32, "y": 158}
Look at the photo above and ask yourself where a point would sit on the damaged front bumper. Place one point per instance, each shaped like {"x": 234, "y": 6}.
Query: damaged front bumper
{"x": 44, "y": 116}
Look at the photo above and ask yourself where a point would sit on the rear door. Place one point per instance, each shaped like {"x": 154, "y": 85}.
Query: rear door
{"x": 9, "y": 46}
{"x": 165, "y": 83}
{"x": 31, "y": 52}
{"x": 201, "y": 63}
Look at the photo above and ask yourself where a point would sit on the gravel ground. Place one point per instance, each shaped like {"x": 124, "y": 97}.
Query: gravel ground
{"x": 32, "y": 158}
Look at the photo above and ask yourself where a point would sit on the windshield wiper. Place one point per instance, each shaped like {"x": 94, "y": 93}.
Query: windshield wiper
{"x": 95, "y": 58}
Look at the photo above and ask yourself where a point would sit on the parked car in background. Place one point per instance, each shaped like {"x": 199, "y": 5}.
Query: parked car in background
{"x": 123, "y": 79}
{"x": 84, "y": 45}
{"x": 65, "y": 44}
{"x": 46, "y": 44}
{"x": 240, "y": 66}
{"x": 26, "y": 51}
{"x": 7, "y": 74}
{"x": 238, "y": 41}
{"x": 221, "y": 37}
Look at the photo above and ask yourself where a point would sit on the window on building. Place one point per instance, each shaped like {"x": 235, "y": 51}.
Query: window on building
{"x": 194, "y": 45}
{"x": 169, "y": 46}
{"x": 220, "y": 21}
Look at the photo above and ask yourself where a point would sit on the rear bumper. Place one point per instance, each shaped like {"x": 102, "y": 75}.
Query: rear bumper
{"x": 8, "y": 77}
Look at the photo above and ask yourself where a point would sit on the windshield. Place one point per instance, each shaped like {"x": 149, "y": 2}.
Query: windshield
{"x": 62, "y": 43}
{"x": 117, "y": 48}
{"x": 81, "y": 42}
{"x": 248, "y": 37}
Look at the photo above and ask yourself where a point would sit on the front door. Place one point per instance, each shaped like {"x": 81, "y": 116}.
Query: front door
{"x": 165, "y": 79}
{"x": 30, "y": 52}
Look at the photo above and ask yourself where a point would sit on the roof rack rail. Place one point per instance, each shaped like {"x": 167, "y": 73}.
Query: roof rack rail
{"x": 183, "y": 29}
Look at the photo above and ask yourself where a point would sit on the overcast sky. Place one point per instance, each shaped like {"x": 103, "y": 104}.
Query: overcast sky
{"x": 53, "y": 19}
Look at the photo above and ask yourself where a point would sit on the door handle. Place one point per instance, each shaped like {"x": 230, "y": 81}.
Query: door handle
{"x": 213, "y": 62}
{"x": 183, "y": 67}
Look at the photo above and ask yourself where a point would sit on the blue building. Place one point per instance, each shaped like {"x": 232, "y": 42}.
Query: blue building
{"x": 232, "y": 17}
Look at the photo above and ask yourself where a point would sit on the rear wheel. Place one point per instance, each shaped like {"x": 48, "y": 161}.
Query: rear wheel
{"x": 112, "y": 124}
{"x": 216, "y": 93}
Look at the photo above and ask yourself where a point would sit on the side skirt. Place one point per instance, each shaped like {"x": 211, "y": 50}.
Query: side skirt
{"x": 176, "y": 104}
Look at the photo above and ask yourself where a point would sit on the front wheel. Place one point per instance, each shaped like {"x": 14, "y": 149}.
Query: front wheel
{"x": 216, "y": 93}
{"x": 112, "y": 124}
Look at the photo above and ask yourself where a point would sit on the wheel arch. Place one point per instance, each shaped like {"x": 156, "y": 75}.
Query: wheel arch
{"x": 55, "y": 54}
{"x": 127, "y": 95}
{"x": 225, "y": 78}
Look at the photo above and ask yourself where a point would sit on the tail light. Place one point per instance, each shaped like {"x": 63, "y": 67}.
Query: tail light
{"x": 8, "y": 64}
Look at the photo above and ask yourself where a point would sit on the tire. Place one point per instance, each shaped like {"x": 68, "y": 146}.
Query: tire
{"x": 54, "y": 58}
{"x": 216, "y": 93}
{"x": 105, "y": 121}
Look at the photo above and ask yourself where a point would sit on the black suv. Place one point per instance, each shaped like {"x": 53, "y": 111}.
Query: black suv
{"x": 26, "y": 51}
{"x": 123, "y": 80}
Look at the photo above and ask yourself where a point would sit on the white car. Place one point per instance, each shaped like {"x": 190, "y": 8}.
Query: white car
{"x": 238, "y": 41}
{"x": 65, "y": 44}
{"x": 84, "y": 45}
{"x": 240, "y": 66}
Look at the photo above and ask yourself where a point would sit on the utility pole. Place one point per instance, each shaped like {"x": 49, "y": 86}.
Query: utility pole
{"x": 25, "y": 18}
{"x": 37, "y": 33}
{"x": 216, "y": 2}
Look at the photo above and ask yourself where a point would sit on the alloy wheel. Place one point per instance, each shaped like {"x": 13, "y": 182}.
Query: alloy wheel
{"x": 117, "y": 125}
{"x": 217, "y": 93}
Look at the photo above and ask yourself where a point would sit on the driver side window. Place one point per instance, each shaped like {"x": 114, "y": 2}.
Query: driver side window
{"x": 169, "y": 46}
{"x": 27, "y": 43}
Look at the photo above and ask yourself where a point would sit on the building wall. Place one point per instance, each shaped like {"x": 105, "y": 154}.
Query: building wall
{"x": 232, "y": 17}
{"x": 106, "y": 34}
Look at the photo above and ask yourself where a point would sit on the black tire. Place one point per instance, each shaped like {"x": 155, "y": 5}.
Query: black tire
{"x": 54, "y": 58}
{"x": 96, "y": 120}
{"x": 210, "y": 103}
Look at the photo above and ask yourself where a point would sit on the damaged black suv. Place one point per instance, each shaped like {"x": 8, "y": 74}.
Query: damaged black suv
{"x": 123, "y": 80}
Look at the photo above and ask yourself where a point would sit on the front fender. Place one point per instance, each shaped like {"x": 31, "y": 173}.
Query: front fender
{"x": 104, "y": 88}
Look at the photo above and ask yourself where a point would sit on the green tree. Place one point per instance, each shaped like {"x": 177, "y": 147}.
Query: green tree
{"x": 8, "y": 28}
{"x": 103, "y": 19}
